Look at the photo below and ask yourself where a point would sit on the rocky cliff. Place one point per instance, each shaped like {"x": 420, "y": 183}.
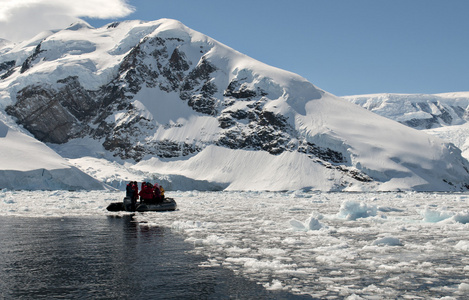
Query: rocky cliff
{"x": 159, "y": 89}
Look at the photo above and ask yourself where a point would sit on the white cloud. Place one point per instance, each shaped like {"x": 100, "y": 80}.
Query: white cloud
{"x": 23, "y": 19}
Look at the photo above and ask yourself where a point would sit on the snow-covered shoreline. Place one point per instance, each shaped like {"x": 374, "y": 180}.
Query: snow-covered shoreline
{"x": 384, "y": 245}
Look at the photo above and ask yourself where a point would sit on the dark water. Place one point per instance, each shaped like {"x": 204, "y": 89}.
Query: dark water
{"x": 109, "y": 258}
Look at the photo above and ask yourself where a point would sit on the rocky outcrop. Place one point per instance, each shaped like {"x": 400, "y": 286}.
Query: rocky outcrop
{"x": 7, "y": 68}
{"x": 54, "y": 115}
{"x": 60, "y": 111}
{"x": 30, "y": 60}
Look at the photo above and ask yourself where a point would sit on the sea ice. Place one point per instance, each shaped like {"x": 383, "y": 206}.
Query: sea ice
{"x": 275, "y": 285}
{"x": 434, "y": 216}
{"x": 352, "y": 256}
{"x": 352, "y": 210}
{"x": 389, "y": 241}
{"x": 462, "y": 217}
{"x": 462, "y": 246}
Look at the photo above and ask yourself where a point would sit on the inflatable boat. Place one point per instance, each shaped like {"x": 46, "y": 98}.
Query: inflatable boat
{"x": 168, "y": 204}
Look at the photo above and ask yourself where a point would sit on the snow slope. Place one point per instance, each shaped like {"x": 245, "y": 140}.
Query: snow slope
{"x": 442, "y": 115}
{"x": 184, "y": 105}
{"x": 26, "y": 163}
{"x": 421, "y": 111}
{"x": 456, "y": 134}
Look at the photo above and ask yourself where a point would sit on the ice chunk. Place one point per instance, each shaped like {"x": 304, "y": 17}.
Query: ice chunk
{"x": 464, "y": 288}
{"x": 462, "y": 246}
{"x": 387, "y": 241}
{"x": 352, "y": 210}
{"x": 435, "y": 216}
{"x": 276, "y": 285}
{"x": 297, "y": 225}
{"x": 354, "y": 297}
{"x": 462, "y": 217}
{"x": 312, "y": 223}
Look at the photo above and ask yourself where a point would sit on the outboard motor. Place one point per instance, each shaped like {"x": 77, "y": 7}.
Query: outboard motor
{"x": 128, "y": 205}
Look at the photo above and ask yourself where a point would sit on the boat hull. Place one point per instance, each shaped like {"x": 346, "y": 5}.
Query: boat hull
{"x": 168, "y": 204}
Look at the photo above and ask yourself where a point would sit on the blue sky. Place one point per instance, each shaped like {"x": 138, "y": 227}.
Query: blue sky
{"x": 345, "y": 47}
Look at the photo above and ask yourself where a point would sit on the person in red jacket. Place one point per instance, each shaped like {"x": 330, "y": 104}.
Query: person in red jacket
{"x": 146, "y": 194}
{"x": 135, "y": 189}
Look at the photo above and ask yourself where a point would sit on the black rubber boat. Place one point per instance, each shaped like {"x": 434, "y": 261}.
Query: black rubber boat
{"x": 168, "y": 204}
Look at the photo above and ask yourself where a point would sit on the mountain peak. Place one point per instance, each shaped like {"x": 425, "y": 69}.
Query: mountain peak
{"x": 78, "y": 25}
{"x": 147, "y": 91}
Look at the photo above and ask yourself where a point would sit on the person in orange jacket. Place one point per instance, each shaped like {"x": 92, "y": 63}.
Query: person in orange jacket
{"x": 161, "y": 193}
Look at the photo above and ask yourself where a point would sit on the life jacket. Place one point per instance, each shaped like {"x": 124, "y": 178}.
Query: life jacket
{"x": 135, "y": 189}
{"x": 156, "y": 192}
{"x": 161, "y": 191}
{"x": 129, "y": 191}
{"x": 146, "y": 193}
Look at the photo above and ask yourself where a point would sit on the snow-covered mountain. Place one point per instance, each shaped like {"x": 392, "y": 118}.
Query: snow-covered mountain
{"x": 179, "y": 103}
{"x": 420, "y": 111}
{"x": 443, "y": 115}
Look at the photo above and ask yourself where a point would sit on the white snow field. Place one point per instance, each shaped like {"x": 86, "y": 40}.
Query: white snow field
{"x": 405, "y": 107}
{"x": 456, "y": 134}
{"x": 26, "y": 163}
{"x": 328, "y": 245}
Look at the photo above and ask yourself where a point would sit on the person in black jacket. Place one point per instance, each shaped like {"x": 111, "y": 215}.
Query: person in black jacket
{"x": 130, "y": 193}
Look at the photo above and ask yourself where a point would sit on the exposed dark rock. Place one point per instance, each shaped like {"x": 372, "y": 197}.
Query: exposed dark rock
{"x": 325, "y": 154}
{"x": 238, "y": 90}
{"x": 29, "y": 61}
{"x": 65, "y": 111}
{"x": 443, "y": 116}
{"x": 7, "y": 68}
{"x": 199, "y": 81}
{"x": 265, "y": 130}
{"x": 421, "y": 123}
{"x": 7, "y": 65}
{"x": 226, "y": 122}
{"x": 40, "y": 112}
{"x": 178, "y": 61}
{"x": 239, "y": 114}
{"x": 124, "y": 149}
{"x": 203, "y": 105}
{"x": 76, "y": 99}
{"x": 113, "y": 25}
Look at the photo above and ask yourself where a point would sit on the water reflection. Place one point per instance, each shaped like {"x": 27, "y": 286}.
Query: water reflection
{"x": 108, "y": 258}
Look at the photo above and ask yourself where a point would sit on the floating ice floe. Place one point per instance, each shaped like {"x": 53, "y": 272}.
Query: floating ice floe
{"x": 312, "y": 223}
{"x": 352, "y": 210}
{"x": 462, "y": 246}
{"x": 275, "y": 285}
{"x": 251, "y": 233}
{"x": 464, "y": 288}
{"x": 387, "y": 241}
{"x": 462, "y": 217}
{"x": 435, "y": 216}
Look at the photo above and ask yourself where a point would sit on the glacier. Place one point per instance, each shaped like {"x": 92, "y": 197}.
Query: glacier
{"x": 443, "y": 115}
{"x": 27, "y": 164}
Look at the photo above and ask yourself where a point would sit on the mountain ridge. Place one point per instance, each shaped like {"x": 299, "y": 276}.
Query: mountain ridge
{"x": 420, "y": 111}
{"x": 160, "y": 90}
